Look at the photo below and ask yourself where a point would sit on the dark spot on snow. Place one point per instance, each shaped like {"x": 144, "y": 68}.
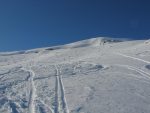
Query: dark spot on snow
{"x": 79, "y": 109}
{"x": 24, "y": 103}
{"x": 147, "y": 66}
{"x": 13, "y": 107}
{"x": 86, "y": 68}
{"x": 41, "y": 109}
{"x": 52, "y": 48}
{"x": 3, "y": 101}
{"x": 2, "y": 87}
{"x": 97, "y": 67}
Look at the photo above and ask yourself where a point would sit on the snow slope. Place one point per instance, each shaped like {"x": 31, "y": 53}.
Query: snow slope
{"x": 99, "y": 75}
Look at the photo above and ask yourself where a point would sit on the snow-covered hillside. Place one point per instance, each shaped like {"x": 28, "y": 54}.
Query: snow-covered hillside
{"x": 98, "y": 75}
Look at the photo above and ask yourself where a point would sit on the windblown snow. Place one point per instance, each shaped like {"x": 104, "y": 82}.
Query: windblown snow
{"x": 99, "y": 75}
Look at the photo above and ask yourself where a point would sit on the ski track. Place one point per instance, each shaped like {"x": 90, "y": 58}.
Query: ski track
{"x": 61, "y": 103}
{"x": 32, "y": 92}
{"x": 64, "y": 102}
{"x": 33, "y": 95}
{"x": 133, "y": 57}
{"x": 57, "y": 104}
{"x": 144, "y": 74}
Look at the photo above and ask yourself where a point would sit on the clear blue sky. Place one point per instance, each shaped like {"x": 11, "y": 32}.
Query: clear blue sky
{"x": 26, "y": 24}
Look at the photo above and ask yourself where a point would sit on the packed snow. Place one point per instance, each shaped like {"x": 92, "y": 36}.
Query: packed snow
{"x": 99, "y": 75}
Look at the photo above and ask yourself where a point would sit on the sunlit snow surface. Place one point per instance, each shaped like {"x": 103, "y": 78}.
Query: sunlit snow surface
{"x": 92, "y": 76}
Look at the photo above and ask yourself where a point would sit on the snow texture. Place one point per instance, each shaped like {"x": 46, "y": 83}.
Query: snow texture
{"x": 99, "y": 75}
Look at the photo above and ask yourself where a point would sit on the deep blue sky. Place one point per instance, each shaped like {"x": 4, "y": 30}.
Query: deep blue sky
{"x": 26, "y": 24}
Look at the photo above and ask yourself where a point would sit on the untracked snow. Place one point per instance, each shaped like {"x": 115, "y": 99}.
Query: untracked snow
{"x": 99, "y": 75}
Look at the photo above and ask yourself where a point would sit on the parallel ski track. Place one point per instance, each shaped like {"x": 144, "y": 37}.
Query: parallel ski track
{"x": 61, "y": 103}
{"x": 143, "y": 73}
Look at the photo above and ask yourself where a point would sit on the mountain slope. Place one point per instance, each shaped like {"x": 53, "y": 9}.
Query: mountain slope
{"x": 99, "y": 75}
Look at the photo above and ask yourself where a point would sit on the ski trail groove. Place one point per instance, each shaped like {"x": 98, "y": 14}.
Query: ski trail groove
{"x": 138, "y": 70}
{"x": 32, "y": 92}
{"x": 57, "y": 104}
{"x": 127, "y": 56}
{"x": 64, "y": 102}
{"x": 60, "y": 94}
{"x": 145, "y": 74}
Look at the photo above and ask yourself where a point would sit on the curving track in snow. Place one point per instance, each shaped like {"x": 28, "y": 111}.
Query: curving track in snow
{"x": 32, "y": 93}
{"x": 143, "y": 73}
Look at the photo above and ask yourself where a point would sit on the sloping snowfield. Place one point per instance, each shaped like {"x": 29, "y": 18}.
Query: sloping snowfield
{"x": 98, "y": 75}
